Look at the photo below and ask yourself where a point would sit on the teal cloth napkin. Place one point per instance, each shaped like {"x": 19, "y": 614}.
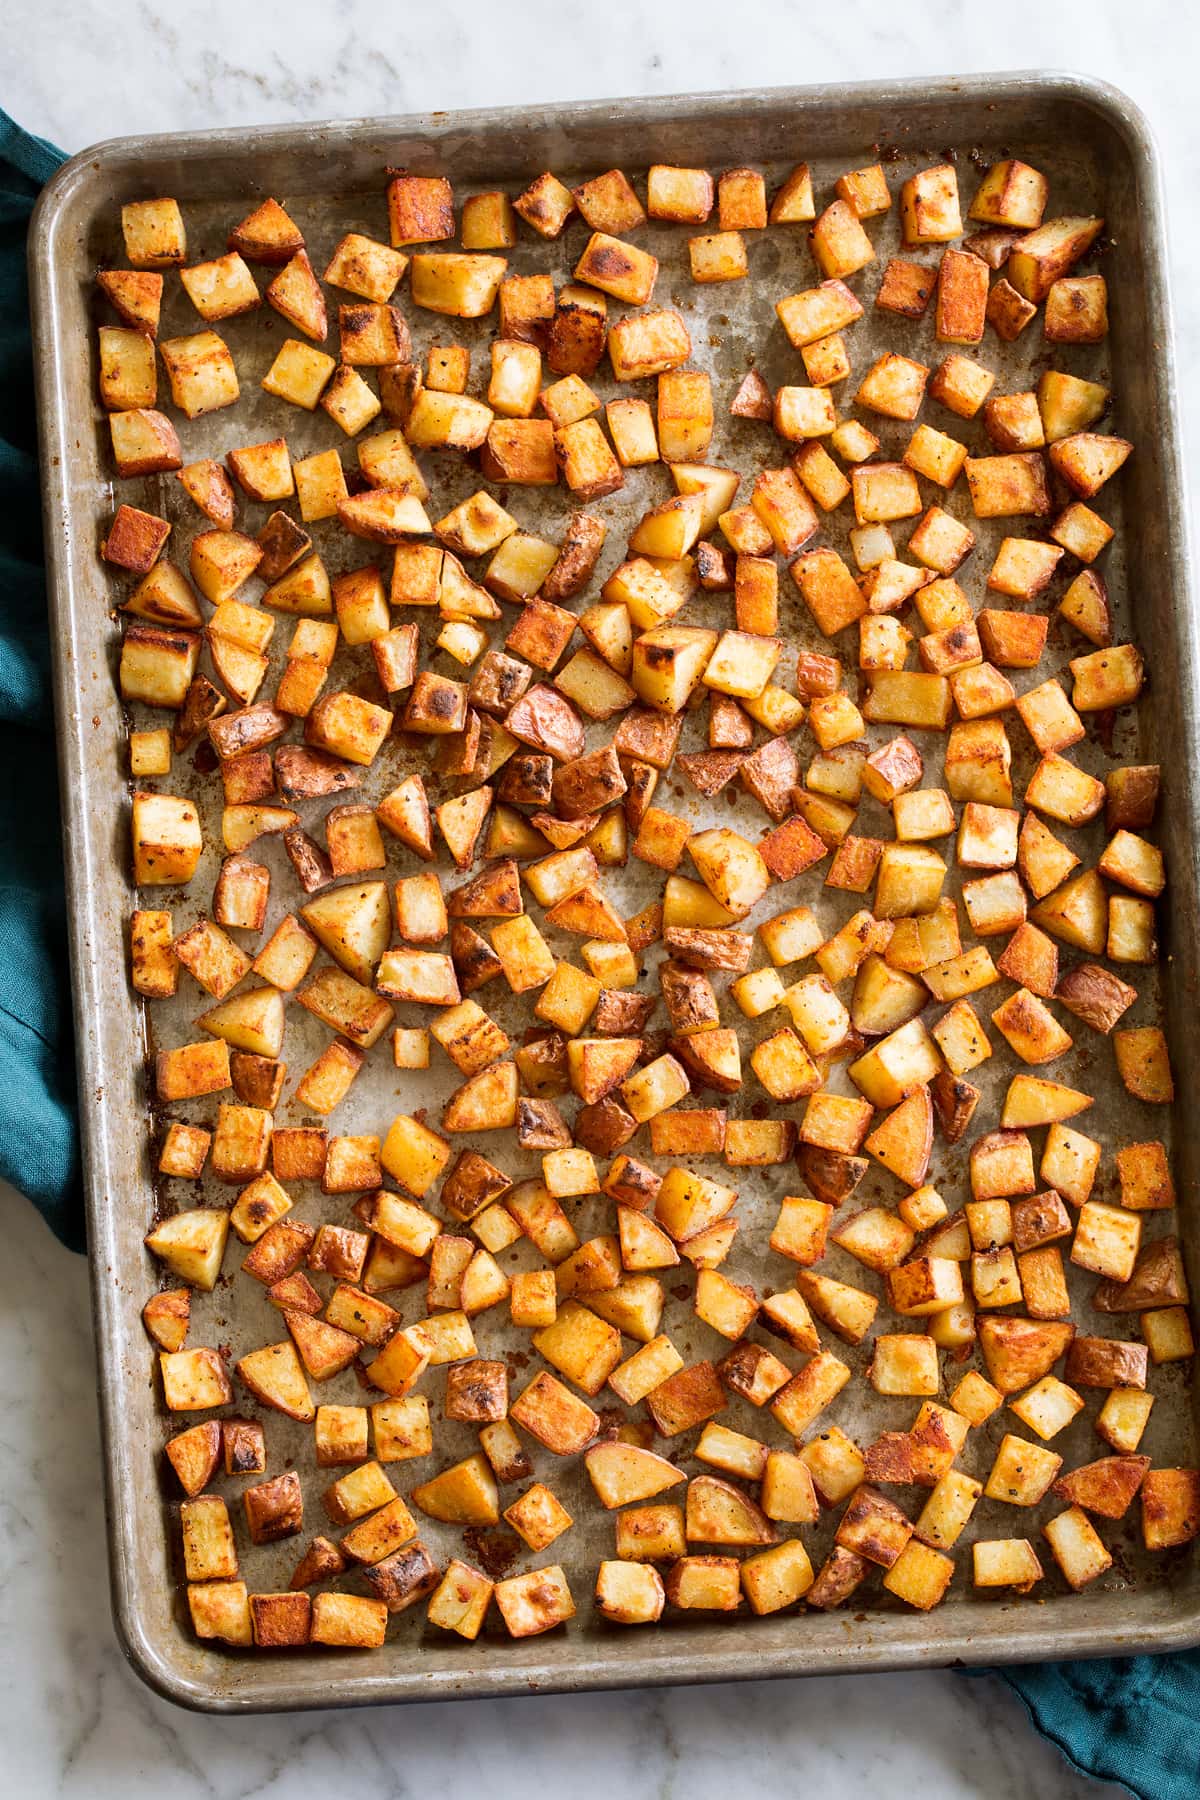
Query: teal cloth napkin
{"x": 39, "y": 1139}
{"x": 1135, "y": 1721}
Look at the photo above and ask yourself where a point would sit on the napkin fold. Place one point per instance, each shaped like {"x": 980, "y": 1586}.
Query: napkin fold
{"x": 1134, "y": 1720}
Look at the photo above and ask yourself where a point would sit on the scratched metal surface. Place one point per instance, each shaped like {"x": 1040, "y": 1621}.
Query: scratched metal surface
{"x": 331, "y": 178}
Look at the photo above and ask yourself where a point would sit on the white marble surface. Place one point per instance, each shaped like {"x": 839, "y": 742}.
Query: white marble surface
{"x": 73, "y": 1720}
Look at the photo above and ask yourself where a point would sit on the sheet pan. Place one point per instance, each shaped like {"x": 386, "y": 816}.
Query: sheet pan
{"x": 1097, "y": 151}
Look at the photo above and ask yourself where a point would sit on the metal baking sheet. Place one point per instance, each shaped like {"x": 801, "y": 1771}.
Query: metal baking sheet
{"x": 1096, "y": 150}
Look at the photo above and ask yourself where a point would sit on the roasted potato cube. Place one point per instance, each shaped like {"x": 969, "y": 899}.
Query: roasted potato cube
{"x": 221, "y": 1609}
{"x": 136, "y": 297}
{"x": 1011, "y": 193}
{"x": 193, "y": 1381}
{"x": 617, "y": 268}
{"x": 1107, "y": 678}
{"x": 209, "y": 1552}
{"x": 1123, "y": 1418}
{"x": 1076, "y": 310}
{"x": 348, "y": 1621}
{"x": 1145, "y": 1177}
{"x": 1170, "y": 1507}
{"x": 192, "y": 1245}
{"x": 629, "y": 1593}
{"x": 546, "y": 205}
{"x": 684, "y": 195}
{"x": 365, "y": 267}
{"x": 1038, "y": 259}
{"x": 128, "y": 372}
{"x": 184, "y": 1152}
{"x": 1005, "y": 1562}
{"x": 144, "y": 442}
{"x": 719, "y": 256}
{"x": 905, "y": 1364}
{"x": 742, "y": 200}
{"x": 793, "y": 203}
{"x": 554, "y": 1416}
{"x": 154, "y": 234}
{"x": 920, "y": 1576}
{"x": 201, "y": 372}
{"x": 929, "y": 206}
{"x": 1143, "y": 1063}
{"x": 608, "y": 203}
{"x": 1076, "y": 1547}
{"x": 536, "y": 1602}
{"x": 1106, "y": 1238}
{"x": 705, "y": 1583}
{"x": 838, "y": 242}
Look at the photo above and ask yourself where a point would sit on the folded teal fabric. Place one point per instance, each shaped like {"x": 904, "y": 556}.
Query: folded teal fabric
{"x": 39, "y": 1142}
{"x": 1135, "y": 1720}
